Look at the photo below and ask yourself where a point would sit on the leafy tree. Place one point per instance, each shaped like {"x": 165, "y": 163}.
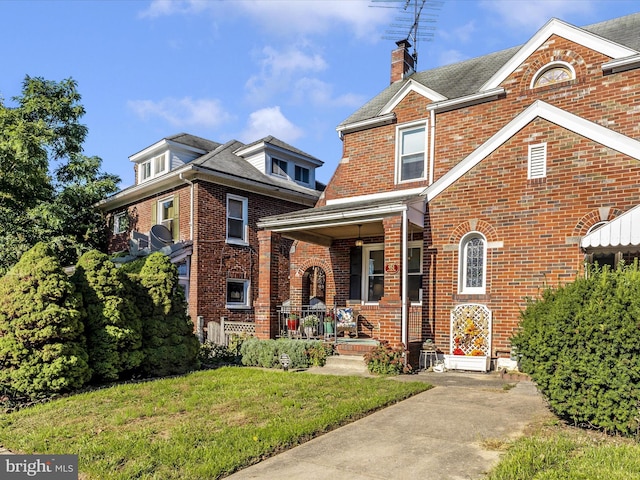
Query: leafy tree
{"x": 169, "y": 343}
{"x": 112, "y": 322}
{"x": 41, "y": 134}
{"x": 42, "y": 347}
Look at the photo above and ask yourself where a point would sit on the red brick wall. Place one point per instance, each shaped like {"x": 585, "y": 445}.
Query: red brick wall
{"x": 533, "y": 226}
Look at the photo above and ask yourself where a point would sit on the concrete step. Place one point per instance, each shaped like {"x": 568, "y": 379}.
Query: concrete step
{"x": 352, "y": 363}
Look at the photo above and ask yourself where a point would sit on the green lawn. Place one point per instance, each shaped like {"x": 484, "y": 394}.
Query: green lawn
{"x": 203, "y": 425}
{"x": 557, "y": 452}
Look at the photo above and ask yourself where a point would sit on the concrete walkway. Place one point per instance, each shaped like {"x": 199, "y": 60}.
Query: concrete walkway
{"x": 443, "y": 433}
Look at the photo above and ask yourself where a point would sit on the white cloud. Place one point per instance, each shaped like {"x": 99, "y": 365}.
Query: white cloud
{"x": 312, "y": 91}
{"x": 182, "y": 112}
{"x": 278, "y": 69}
{"x": 535, "y": 13}
{"x": 286, "y": 17}
{"x": 270, "y": 121}
{"x": 447, "y": 57}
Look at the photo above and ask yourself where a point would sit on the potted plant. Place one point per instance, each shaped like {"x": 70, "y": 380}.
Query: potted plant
{"x": 292, "y": 322}
{"x": 328, "y": 325}
{"x": 309, "y": 325}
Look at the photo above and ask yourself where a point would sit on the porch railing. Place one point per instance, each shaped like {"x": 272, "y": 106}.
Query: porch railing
{"x": 308, "y": 321}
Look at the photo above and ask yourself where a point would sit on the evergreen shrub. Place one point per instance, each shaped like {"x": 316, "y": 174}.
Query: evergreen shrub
{"x": 581, "y": 344}
{"x": 112, "y": 322}
{"x": 42, "y": 346}
{"x": 169, "y": 344}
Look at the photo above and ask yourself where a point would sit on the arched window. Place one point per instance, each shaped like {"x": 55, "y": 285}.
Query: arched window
{"x": 473, "y": 253}
{"x": 553, "y": 73}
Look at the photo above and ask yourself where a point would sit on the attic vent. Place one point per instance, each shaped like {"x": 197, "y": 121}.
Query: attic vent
{"x": 537, "y": 161}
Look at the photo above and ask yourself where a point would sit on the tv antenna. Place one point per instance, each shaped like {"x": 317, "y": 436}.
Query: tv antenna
{"x": 414, "y": 23}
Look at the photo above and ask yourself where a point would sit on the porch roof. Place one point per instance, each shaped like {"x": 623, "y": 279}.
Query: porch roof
{"x": 620, "y": 233}
{"x": 340, "y": 220}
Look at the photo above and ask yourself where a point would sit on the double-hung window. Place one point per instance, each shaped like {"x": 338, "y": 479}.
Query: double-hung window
{"x": 238, "y": 293}
{"x": 374, "y": 272}
{"x": 153, "y": 168}
{"x": 237, "y": 213}
{"x": 120, "y": 223}
{"x": 279, "y": 167}
{"x": 414, "y": 273}
{"x": 166, "y": 213}
{"x": 411, "y": 153}
{"x": 302, "y": 174}
{"x": 473, "y": 265}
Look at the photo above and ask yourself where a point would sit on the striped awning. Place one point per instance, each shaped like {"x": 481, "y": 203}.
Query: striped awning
{"x": 623, "y": 231}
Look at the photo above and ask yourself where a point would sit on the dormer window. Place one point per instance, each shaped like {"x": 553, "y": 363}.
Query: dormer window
{"x": 553, "y": 73}
{"x": 153, "y": 167}
{"x": 302, "y": 174}
{"x": 279, "y": 167}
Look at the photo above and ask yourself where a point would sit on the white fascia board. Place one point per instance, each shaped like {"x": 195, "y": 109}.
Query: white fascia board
{"x": 328, "y": 219}
{"x": 562, "y": 118}
{"x": 369, "y": 123}
{"x": 564, "y": 30}
{"x": 411, "y": 86}
{"x": 375, "y": 196}
{"x": 466, "y": 101}
{"x": 622, "y": 64}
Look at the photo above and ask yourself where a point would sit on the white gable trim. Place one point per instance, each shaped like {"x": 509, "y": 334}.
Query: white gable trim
{"x": 564, "y": 30}
{"x": 562, "y": 118}
{"x": 411, "y": 86}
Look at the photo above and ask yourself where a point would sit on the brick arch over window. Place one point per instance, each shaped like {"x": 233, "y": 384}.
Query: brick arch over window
{"x": 590, "y": 219}
{"x": 473, "y": 225}
{"x": 302, "y": 269}
{"x": 542, "y": 59}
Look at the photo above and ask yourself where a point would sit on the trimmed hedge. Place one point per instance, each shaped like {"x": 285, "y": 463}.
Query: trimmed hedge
{"x": 266, "y": 353}
{"x": 581, "y": 344}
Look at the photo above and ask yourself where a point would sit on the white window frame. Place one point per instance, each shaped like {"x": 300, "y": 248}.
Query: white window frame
{"x": 366, "y": 250}
{"x": 120, "y": 222}
{"x": 145, "y": 173}
{"x": 279, "y": 172}
{"x": 419, "y": 245}
{"x": 299, "y": 172}
{"x": 246, "y": 288}
{"x": 462, "y": 268}
{"x": 245, "y": 223}
{"x": 537, "y": 161}
{"x": 154, "y": 167}
{"x": 167, "y": 222}
{"x": 401, "y": 130}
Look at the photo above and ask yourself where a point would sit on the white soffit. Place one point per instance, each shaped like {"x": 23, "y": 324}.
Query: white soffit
{"x": 564, "y": 30}
{"x": 411, "y": 86}
{"x": 538, "y": 109}
{"x": 623, "y": 231}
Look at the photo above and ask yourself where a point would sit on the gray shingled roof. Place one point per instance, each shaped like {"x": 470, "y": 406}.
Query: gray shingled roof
{"x": 271, "y": 140}
{"x": 194, "y": 141}
{"x": 466, "y": 78}
{"x": 223, "y": 160}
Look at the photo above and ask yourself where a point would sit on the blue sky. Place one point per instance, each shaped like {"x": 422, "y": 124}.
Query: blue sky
{"x": 241, "y": 69}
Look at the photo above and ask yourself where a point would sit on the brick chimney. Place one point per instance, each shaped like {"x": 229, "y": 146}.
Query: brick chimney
{"x": 402, "y": 62}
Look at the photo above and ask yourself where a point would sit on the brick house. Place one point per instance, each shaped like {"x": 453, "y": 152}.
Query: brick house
{"x": 465, "y": 189}
{"x": 199, "y": 202}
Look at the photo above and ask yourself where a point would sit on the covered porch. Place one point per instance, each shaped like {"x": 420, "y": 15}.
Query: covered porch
{"x": 355, "y": 258}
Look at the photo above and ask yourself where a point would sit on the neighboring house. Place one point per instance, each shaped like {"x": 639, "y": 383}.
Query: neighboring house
{"x": 466, "y": 189}
{"x": 199, "y": 201}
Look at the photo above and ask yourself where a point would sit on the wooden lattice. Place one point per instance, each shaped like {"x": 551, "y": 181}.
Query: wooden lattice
{"x": 470, "y": 330}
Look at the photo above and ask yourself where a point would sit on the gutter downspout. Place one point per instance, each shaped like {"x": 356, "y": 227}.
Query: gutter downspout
{"x": 405, "y": 277}
{"x": 191, "y": 200}
{"x": 432, "y": 145}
